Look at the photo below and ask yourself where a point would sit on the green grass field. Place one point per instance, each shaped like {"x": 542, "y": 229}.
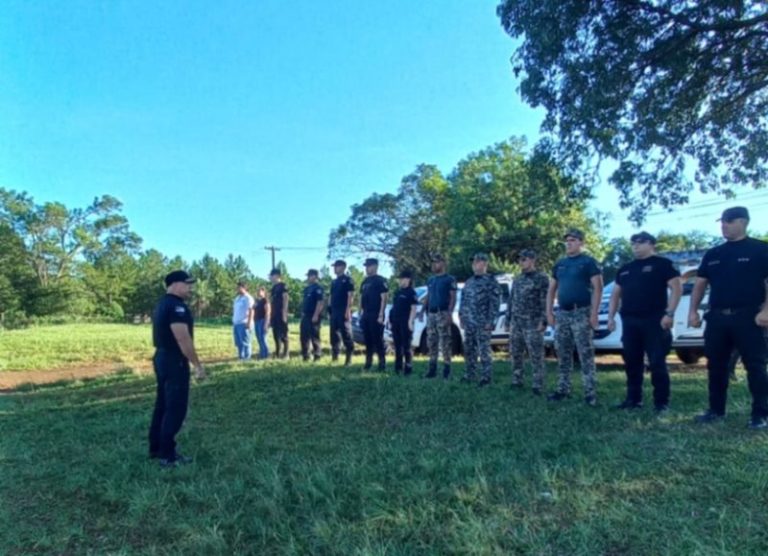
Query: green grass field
{"x": 315, "y": 459}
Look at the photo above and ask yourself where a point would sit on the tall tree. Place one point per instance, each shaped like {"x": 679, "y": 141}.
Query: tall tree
{"x": 676, "y": 91}
{"x": 405, "y": 227}
{"x": 17, "y": 286}
{"x": 55, "y": 237}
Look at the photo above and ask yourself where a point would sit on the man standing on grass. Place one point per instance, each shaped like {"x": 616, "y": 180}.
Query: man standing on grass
{"x": 172, "y": 335}
{"x": 477, "y": 315}
{"x": 578, "y": 285}
{"x": 242, "y": 321}
{"x": 311, "y": 310}
{"x": 527, "y": 320}
{"x": 373, "y": 301}
{"x": 279, "y": 316}
{"x": 440, "y": 302}
{"x": 647, "y": 316}
{"x": 736, "y": 273}
{"x": 342, "y": 292}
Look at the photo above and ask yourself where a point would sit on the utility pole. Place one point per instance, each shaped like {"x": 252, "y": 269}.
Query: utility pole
{"x": 273, "y": 249}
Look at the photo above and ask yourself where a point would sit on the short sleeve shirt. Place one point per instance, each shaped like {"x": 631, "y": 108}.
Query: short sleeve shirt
{"x": 169, "y": 310}
{"x": 574, "y": 280}
{"x": 276, "y": 298}
{"x": 736, "y": 271}
{"x": 340, "y": 288}
{"x": 260, "y": 309}
{"x": 644, "y": 286}
{"x": 370, "y": 293}
{"x": 313, "y": 294}
{"x": 439, "y": 290}
{"x": 240, "y": 308}
{"x": 403, "y": 300}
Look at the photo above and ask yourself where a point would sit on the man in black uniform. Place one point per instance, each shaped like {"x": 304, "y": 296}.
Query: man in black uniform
{"x": 373, "y": 300}
{"x": 311, "y": 310}
{"x": 342, "y": 292}
{"x": 647, "y": 317}
{"x": 736, "y": 272}
{"x": 172, "y": 336}
{"x": 404, "y": 303}
{"x": 279, "y": 317}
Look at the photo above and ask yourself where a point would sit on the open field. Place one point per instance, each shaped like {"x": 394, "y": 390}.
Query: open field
{"x": 315, "y": 459}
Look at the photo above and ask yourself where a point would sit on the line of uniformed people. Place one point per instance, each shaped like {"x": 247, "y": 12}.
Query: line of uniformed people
{"x": 646, "y": 294}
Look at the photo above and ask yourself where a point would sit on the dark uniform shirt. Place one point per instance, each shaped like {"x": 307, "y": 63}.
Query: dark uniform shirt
{"x": 169, "y": 310}
{"x": 260, "y": 309}
{"x": 370, "y": 294}
{"x": 340, "y": 288}
{"x": 313, "y": 294}
{"x": 528, "y": 298}
{"x": 574, "y": 285}
{"x": 644, "y": 286}
{"x": 404, "y": 299}
{"x": 276, "y": 296}
{"x": 439, "y": 290}
{"x": 736, "y": 271}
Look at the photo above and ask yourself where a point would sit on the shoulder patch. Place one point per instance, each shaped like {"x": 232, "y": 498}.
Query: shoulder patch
{"x": 179, "y": 309}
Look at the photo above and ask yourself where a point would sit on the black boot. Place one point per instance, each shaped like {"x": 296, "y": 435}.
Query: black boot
{"x": 408, "y": 370}
{"x": 348, "y": 359}
{"x": 432, "y": 373}
{"x": 446, "y": 371}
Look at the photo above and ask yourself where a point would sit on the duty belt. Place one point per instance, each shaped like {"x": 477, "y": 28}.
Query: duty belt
{"x": 572, "y": 307}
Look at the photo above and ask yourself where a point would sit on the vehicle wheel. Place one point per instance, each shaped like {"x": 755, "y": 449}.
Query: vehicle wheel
{"x": 689, "y": 356}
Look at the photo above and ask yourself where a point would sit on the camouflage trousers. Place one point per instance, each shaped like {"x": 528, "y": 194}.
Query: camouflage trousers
{"x": 524, "y": 336}
{"x": 439, "y": 335}
{"x": 477, "y": 342}
{"x": 572, "y": 330}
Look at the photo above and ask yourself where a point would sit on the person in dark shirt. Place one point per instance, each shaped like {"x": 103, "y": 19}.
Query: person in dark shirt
{"x": 736, "y": 273}
{"x": 261, "y": 317}
{"x": 172, "y": 336}
{"x": 373, "y": 300}
{"x": 311, "y": 311}
{"x": 401, "y": 315}
{"x": 440, "y": 303}
{"x": 342, "y": 292}
{"x": 279, "y": 315}
{"x": 647, "y": 316}
{"x": 578, "y": 285}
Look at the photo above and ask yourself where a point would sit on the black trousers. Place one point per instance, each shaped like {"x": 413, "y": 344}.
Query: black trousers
{"x": 171, "y": 401}
{"x": 723, "y": 334}
{"x": 309, "y": 333}
{"x": 641, "y": 337}
{"x": 402, "y": 337}
{"x": 341, "y": 334}
{"x": 373, "y": 334}
{"x": 280, "y": 334}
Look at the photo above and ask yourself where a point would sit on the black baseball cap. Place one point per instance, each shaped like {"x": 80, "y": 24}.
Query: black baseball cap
{"x": 735, "y": 212}
{"x": 527, "y": 254}
{"x": 339, "y": 262}
{"x": 313, "y": 272}
{"x": 275, "y": 272}
{"x": 371, "y": 262}
{"x": 573, "y": 232}
{"x": 642, "y": 237}
{"x": 179, "y": 276}
{"x": 406, "y": 274}
{"x": 479, "y": 257}
{"x": 437, "y": 258}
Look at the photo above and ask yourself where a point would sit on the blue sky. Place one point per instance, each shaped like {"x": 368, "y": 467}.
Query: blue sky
{"x": 227, "y": 127}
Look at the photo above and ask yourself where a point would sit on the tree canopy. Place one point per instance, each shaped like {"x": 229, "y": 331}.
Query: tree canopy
{"x": 675, "y": 91}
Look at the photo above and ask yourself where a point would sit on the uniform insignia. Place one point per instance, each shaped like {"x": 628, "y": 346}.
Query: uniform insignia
{"x": 647, "y": 268}
{"x": 743, "y": 260}
{"x": 179, "y": 309}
